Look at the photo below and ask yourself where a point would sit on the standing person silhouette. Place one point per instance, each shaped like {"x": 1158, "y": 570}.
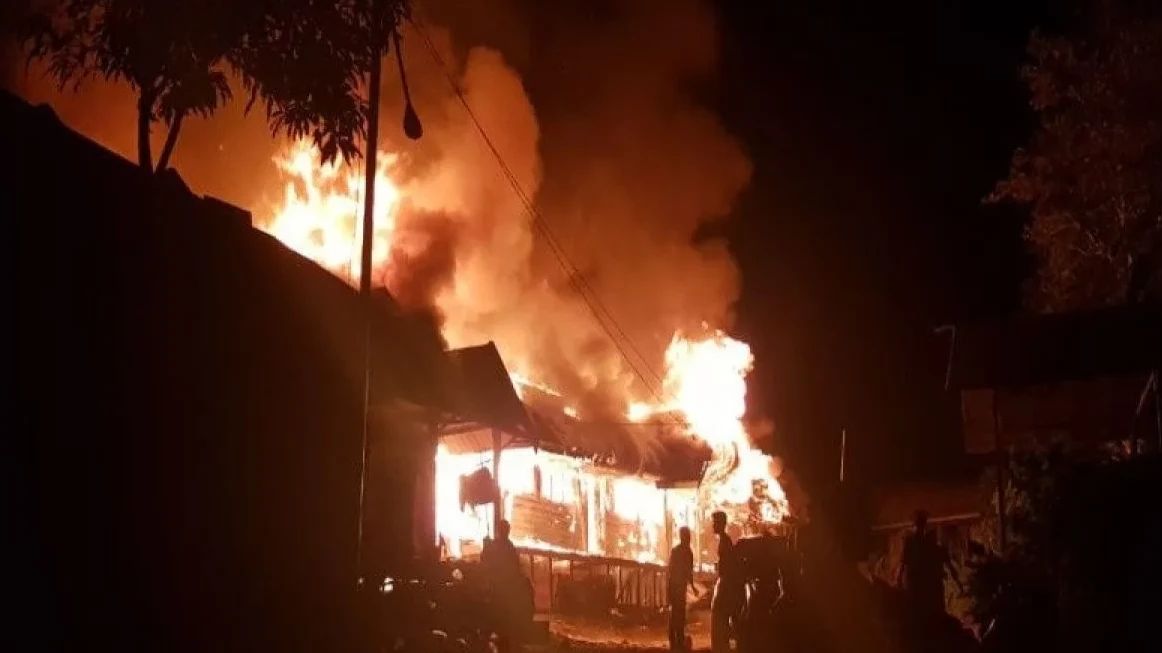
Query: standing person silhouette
{"x": 922, "y": 568}
{"x": 729, "y": 591}
{"x": 681, "y": 576}
{"x": 512, "y": 593}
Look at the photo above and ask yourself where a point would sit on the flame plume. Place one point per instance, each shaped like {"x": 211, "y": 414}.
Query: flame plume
{"x": 320, "y": 212}
{"x": 705, "y": 380}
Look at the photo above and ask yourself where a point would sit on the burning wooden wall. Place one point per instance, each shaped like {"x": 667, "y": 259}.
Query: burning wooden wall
{"x": 560, "y": 503}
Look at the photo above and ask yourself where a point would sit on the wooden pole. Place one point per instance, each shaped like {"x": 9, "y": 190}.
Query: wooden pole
{"x": 498, "y": 500}
{"x": 365, "y": 286}
{"x": 1001, "y": 526}
{"x": 669, "y": 522}
{"x": 842, "y": 454}
{"x": 1157, "y": 409}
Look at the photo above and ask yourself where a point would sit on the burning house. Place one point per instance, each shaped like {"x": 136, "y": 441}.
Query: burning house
{"x": 222, "y": 371}
{"x": 561, "y": 489}
{"x": 572, "y": 487}
{"x": 550, "y": 427}
{"x": 210, "y": 382}
{"x": 608, "y": 469}
{"x": 584, "y": 503}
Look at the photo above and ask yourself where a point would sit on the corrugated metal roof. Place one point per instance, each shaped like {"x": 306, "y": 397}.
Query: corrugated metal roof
{"x": 481, "y": 391}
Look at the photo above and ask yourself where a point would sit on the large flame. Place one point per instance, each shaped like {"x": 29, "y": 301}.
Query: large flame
{"x": 322, "y": 207}
{"x": 705, "y": 382}
{"x": 625, "y": 516}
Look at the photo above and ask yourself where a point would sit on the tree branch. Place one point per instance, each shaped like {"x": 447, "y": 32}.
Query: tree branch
{"x": 171, "y": 139}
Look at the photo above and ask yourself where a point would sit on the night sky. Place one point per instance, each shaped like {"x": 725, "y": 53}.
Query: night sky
{"x": 875, "y": 129}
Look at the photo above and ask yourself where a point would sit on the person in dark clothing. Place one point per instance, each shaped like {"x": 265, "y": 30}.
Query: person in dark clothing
{"x": 729, "y": 591}
{"x": 512, "y": 592}
{"x": 681, "y": 576}
{"x": 922, "y": 568}
{"x": 503, "y": 554}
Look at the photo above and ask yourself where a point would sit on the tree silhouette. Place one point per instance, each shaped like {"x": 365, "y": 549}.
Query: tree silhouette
{"x": 1092, "y": 172}
{"x": 302, "y": 59}
{"x": 1081, "y": 559}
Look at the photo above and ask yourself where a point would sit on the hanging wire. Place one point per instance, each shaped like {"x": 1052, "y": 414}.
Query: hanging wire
{"x": 601, "y": 313}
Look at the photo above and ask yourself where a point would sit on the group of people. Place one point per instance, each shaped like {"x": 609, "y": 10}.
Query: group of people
{"x": 729, "y": 591}
{"x": 921, "y": 578}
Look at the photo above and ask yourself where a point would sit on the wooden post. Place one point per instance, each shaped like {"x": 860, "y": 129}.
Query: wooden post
{"x": 1158, "y": 409}
{"x": 533, "y": 578}
{"x": 620, "y": 585}
{"x": 498, "y": 500}
{"x": 582, "y": 509}
{"x": 842, "y": 454}
{"x": 669, "y": 521}
{"x": 365, "y": 290}
{"x": 425, "y": 536}
{"x": 637, "y": 581}
{"x": 1002, "y": 529}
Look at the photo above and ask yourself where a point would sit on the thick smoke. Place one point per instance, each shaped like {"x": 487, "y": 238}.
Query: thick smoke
{"x": 634, "y": 166}
{"x": 595, "y": 110}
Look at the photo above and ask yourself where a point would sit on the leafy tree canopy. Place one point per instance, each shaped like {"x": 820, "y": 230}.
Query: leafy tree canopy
{"x": 1092, "y": 172}
{"x": 303, "y": 60}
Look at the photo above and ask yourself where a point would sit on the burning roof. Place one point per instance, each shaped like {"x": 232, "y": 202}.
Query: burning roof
{"x": 485, "y": 395}
{"x": 482, "y": 393}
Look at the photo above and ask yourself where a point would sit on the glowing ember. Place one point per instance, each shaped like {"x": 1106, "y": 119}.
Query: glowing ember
{"x": 322, "y": 206}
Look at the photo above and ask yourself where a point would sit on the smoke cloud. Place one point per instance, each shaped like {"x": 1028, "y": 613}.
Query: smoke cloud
{"x": 634, "y": 167}
{"x": 595, "y": 109}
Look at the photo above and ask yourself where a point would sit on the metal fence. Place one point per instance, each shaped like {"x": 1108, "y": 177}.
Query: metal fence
{"x": 635, "y": 584}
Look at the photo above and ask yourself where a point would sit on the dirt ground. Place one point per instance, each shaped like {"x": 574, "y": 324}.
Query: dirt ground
{"x": 614, "y": 633}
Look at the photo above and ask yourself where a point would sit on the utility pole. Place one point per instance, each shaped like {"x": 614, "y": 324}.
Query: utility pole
{"x": 999, "y": 452}
{"x": 842, "y": 454}
{"x": 371, "y": 146}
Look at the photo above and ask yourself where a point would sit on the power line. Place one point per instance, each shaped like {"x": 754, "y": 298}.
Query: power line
{"x": 600, "y": 312}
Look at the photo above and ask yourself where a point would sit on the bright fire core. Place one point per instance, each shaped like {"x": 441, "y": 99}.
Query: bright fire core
{"x": 554, "y": 501}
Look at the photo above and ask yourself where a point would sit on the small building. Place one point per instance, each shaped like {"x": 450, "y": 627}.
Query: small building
{"x": 1089, "y": 378}
{"x": 953, "y": 508}
{"x": 581, "y": 501}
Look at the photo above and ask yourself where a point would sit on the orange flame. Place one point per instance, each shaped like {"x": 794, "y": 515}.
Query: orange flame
{"x": 321, "y": 212}
{"x": 706, "y": 381}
